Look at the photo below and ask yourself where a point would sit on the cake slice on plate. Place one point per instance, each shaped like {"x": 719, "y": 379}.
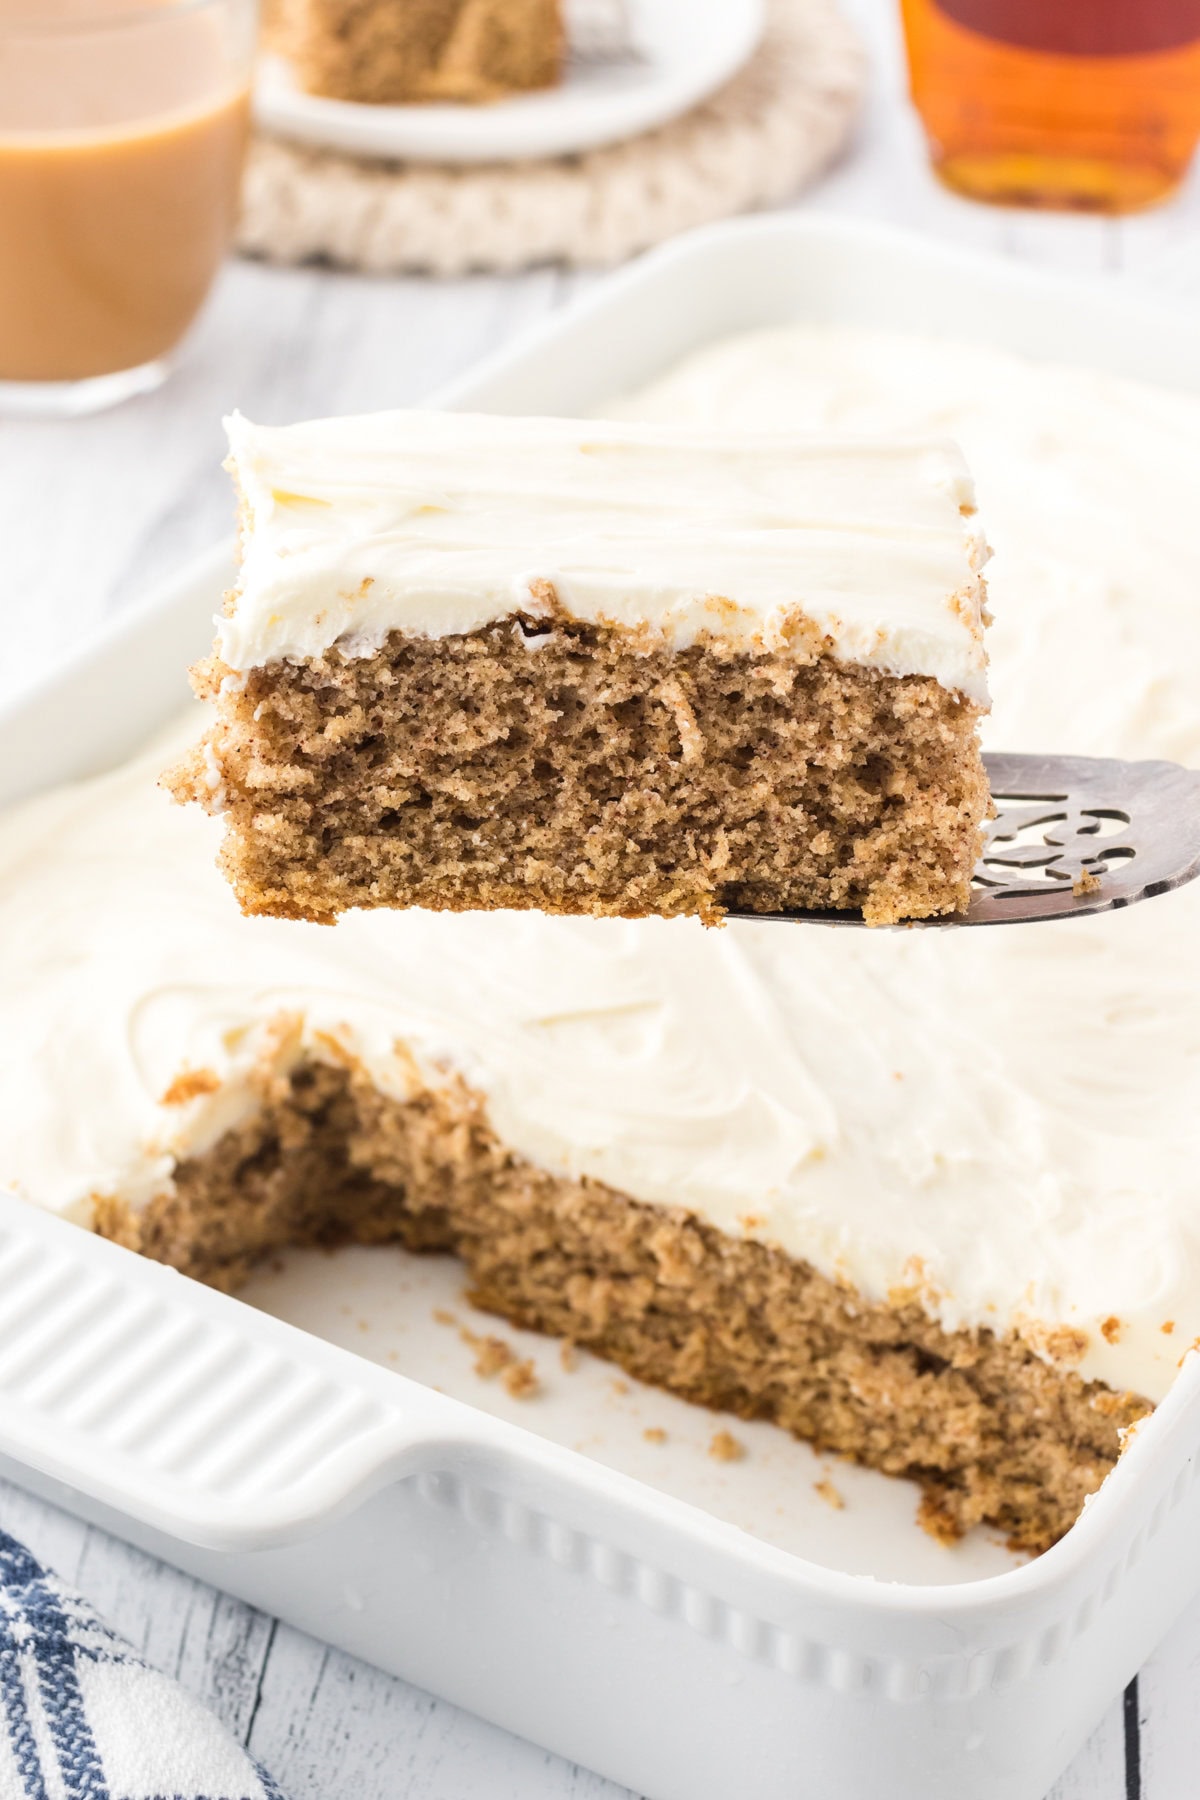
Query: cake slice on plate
{"x": 388, "y": 52}
{"x": 587, "y": 667}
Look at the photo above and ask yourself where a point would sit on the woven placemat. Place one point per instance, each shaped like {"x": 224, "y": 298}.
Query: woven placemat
{"x": 756, "y": 142}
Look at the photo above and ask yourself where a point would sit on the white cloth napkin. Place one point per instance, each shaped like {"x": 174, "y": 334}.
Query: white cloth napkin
{"x": 82, "y": 1717}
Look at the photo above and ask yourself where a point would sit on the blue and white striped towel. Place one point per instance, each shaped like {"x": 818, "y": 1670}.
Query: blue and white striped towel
{"x": 82, "y": 1717}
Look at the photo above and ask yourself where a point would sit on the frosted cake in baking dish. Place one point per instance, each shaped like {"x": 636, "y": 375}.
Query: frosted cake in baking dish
{"x": 613, "y": 669}
{"x": 926, "y": 1198}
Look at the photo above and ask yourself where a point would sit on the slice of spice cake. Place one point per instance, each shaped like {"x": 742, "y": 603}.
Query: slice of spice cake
{"x": 389, "y": 51}
{"x": 586, "y": 667}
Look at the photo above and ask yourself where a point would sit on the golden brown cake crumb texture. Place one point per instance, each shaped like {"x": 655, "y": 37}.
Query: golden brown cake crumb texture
{"x": 991, "y": 1432}
{"x": 389, "y": 51}
{"x": 578, "y": 771}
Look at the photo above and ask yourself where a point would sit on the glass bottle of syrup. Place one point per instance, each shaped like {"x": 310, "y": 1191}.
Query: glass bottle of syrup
{"x": 1092, "y": 105}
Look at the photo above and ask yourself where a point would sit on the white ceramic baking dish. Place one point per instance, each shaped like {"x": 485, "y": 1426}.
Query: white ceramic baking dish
{"x": 619, "y": 1625}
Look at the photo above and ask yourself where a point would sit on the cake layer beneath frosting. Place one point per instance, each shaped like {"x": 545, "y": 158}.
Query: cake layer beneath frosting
{"x": 433, "y": 524}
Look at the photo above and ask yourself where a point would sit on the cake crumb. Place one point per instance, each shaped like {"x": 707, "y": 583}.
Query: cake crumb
{"x": 1061, "y": 1343}
{"x": 1167, "y": 1327}
{"x": 936, "y": 1515}
{"x": 620, "y": 1388}
{"x": 726, "y": 1448}
{"x": 493, "y": 1354}
{"x": 654, "y": 1434}
{"x": 568, "y": 1357}
{"x": 831, "y": 1495}
{"x": 1109, "y": 1403}
{"x": 189, "y": 1084}
{"x": 1085, "y": 883}
{"x": 520, "y": 1380}
{"x": 1110, "y": 1329}
{"x": 916, "y": 1284}
{"x": 442, "y": 1317}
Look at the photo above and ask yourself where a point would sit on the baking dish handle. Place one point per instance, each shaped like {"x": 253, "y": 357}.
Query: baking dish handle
{"x": 184, "y": 1408}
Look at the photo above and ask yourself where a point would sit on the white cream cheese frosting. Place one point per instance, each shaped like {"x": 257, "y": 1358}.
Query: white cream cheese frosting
{"x": 1008, "y": 1119}
{"x": 440, "y": 523}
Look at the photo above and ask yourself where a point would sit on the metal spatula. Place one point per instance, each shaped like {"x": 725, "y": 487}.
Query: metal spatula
{"x": 1072, "y": 835}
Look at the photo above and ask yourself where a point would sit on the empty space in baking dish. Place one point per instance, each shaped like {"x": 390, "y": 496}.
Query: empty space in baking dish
{"x": 409, "y": 1313}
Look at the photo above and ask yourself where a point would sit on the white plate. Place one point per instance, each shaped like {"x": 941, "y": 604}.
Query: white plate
{"x": 686, "y": 49}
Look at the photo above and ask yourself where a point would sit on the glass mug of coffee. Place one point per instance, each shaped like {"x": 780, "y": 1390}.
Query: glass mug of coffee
{"x": 123, "y": 129}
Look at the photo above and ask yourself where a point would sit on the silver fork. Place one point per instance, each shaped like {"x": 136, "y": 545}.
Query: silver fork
{"x": 1072, "y": 835}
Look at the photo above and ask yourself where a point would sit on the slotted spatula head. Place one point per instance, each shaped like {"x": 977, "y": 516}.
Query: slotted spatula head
{"x": 1072, "y": 835}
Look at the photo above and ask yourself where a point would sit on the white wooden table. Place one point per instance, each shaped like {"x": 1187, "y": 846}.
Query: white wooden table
{"x": 94, "y": 513}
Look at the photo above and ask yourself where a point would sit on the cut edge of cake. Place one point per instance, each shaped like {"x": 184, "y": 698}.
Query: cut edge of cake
{"x": 996, "y": 1429}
